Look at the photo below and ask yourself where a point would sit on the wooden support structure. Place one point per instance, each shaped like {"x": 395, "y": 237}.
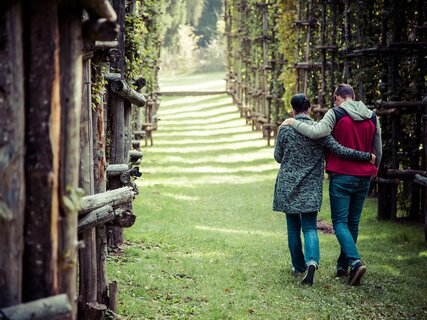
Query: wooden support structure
{"x": 122, "y": 89}
{"x": 43, "y": 118}
{"x": 12, "y": 180}
{"x": 52, "y": 308}
{"x": 100, "y": 29}
{"x": 70, "y": 24}
{"x": 114, "y": 198}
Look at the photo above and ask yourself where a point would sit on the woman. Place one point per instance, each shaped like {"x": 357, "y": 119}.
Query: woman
{"x": 299, "y": 186}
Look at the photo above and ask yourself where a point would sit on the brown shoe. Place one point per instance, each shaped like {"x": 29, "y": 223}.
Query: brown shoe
{"x": 356, "y": 273}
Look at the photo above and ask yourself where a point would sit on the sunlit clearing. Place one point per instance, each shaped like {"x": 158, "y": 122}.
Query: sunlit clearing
{"x": 199, "y": 121}
{"x": 190, "y": 181}
{"x": 201, "y": 114}
{"x": 194, "y": 105}
{"x": 229, "y": 158}
{"x": 210, "y": 254}
{"x": 196, "y": 133}
{"x": 213, "y": 147}
{"x": 177, "y": 196}
{"x": 211, "y": 169}
{"x": 176, "y": 103}
{"x": 245, "y": 232}
{"x": 201, "y": 86}
{"x": 231, "y": 139}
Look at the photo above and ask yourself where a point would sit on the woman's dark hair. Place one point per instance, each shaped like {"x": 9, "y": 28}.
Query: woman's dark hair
{"x": 300, "y": 103}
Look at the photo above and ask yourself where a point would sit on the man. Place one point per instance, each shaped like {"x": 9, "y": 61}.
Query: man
{"x": 353, "y": 125}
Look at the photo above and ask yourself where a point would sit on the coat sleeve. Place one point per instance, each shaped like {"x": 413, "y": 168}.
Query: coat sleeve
{"x": 320, "y": 129}
{"x": 333, "y": 146}
{"x": 377, "y": 144}
{"x": 278, "y": 146}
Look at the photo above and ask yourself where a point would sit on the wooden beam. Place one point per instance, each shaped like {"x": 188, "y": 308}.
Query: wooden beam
{"x": 121, "y": 88}
{"x": 408, "y": 173}
{"x": 116, "y": 169}
{"x": 43, "y": 118}
{"x": 12, "y": 132}
{"x": 106, "y": 44}
{"x": 70, "y": 26}
{"x": 421, "y": 180}
{"x": 101, "y": 30}
{"x": 113, "y": 198}
{"x": 100, "y": 9}
{"x": 96, "y": 217}
{"x": 189, "y": 93}
{"x": 52, "y": 308}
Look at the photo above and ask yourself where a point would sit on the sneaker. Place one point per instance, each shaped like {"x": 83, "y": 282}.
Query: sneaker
{"x": 309, "y": 276}
{"x": 297, "y": 273}
{"x": 341, "y": 273}
{"x": 356, "y": 273}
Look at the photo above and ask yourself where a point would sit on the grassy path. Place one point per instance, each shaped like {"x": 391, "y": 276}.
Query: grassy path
{"x": 206, "y": 244}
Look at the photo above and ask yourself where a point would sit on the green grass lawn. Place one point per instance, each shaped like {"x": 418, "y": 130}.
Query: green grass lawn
{"x": 206, "y": 244}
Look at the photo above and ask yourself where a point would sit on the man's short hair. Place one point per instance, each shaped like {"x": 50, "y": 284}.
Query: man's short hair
{"x": 344, "y": 90}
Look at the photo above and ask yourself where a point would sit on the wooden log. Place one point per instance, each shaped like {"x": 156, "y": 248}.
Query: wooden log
{"x": 106, "y": 44}
{"x": 87, "y": 255}
{"x": 100, "y": 29}
{"x": 52, "y": 308}
{"x": 123, "y": 218}
{"x": 135, "y": 155}
{"x": 114, "y": 170}
{"x": 43, "y": 117}
{"x": 95, "y": 311}
{"x": 96, "y": 217}
{"x": 113, "y": 198}
{"x": 112, "y": 297}
{"x": 421, "y": 180}
{"x": 100, "y": 9}
{"x": 122, "y": 89}
{"x": 70, "y": 20}
{"x": 101, "y": 255}
{"x": 400, "y": 104}
{"x": 12, "y": 133}
{"x": 407, "y": 173}
{"x": 112, "y": 76}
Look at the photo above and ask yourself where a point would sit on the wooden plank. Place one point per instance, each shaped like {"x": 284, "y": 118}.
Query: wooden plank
{"x": 100, "y": 9}
{"x": 52, "y": 308}
{"x": 122, "y": 89}
{"x": 12, "y": 180}
{"x": 113, "y": 198}
{"x": 70, "y": 20}
{"x": 96, "y": 217}
{"x": 43, "y": 117}
{"x": 101, "y": 30}
{"x": 87, "y": 254}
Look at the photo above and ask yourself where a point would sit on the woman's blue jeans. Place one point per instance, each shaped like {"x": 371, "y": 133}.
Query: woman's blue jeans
{"x": 347, "y": 195}
{"x": 308, "y": 223}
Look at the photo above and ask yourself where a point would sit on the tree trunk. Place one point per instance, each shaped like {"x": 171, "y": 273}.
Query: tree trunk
{"x": 12, "y": 190}
{"x": 42, "y": 153}
{"x": 71, "y": 98}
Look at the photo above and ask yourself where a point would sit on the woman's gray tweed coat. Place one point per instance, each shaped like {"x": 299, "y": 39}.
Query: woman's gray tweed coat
{"x": 299, "y": 183}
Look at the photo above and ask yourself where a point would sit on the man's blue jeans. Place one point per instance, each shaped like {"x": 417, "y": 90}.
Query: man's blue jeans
{"x": 347, "y": 195}
{"x": 308, "y": 223}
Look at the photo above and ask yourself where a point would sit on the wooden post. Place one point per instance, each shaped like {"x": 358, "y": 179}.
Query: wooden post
{"x": 87, "y": 255}
{"x": 117, "y": 119}
{"x": 70, "y": 15}
{"x": 12, "y": 190}
{"x": 42, "y": 153}
{"x": 100, "y": 185}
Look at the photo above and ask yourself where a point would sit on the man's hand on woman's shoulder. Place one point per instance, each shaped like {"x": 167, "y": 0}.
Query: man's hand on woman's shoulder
{"x": 287, "y": 122}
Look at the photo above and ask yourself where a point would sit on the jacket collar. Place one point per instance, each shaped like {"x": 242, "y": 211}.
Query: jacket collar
{"x": 301, "y": 116}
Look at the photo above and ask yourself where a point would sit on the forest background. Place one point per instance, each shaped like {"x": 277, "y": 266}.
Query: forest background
{"x": 193, "y": 37}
